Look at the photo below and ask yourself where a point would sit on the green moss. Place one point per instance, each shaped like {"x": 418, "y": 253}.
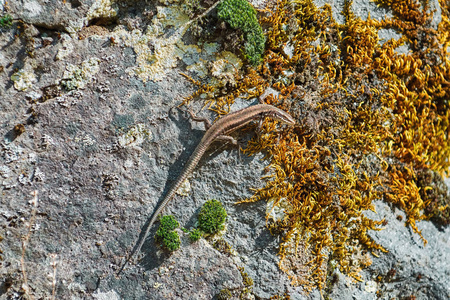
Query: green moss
{"x": 195, "y": 234}
{"x": 224, "y": 294}
{"x": 171, "y": 241}
{"x": 168, "y": 223}
{"x": 241, "y": 15}
{"x": 5, "y": 21}
{"x": 222, "y": 246}
{"x": 212, "y": 217}
{"x": 246, "y": 279}
{"x": 166, "y": 234}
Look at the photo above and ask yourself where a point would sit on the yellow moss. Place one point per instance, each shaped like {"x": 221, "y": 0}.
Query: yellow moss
{"x": 369, "y": 119}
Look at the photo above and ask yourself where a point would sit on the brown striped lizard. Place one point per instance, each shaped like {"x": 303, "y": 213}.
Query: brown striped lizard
{"x": 218, "y": 132}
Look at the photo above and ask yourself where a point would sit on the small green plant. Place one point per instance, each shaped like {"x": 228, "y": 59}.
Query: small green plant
{"x": 195, "y": 234}
{"x": 248, "y": 283}
{"x": 5, "y": 21}
{"x": 212, "y": 217}
{"x": 224, "y": 294}
{"x": 222, "y": 246}
{"x": 241, "y": 15}
{"x": 166, "y": 234}
{"x": 171, "y": 241}
{"x": 246, "y": 279}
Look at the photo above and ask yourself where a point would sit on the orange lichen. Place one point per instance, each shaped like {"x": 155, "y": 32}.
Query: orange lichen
{"x": 370, "y": 121}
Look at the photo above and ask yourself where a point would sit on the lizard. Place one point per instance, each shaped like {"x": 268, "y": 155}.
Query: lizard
{"x": 217, "y": 132}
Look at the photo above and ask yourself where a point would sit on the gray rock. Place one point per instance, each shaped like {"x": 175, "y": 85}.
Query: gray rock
{"x": 102, "y": 146}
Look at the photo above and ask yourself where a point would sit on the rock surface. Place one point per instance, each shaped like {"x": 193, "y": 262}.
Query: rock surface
{"x": 101, "y": 146}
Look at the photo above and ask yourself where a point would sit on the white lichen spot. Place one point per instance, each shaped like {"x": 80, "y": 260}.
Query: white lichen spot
{"x": 226, "y": 67}
{"x": 12, "y": 153}
{"x": 288, "y": 49}
{"x": 288, "y": 73}
{"x": 85, "y": 139}
{"x": 78, "y": 76}
{"x": 102, "y": 9}
{"x": 38, "y": 175}
{"x": 99, "y": 9}
{"x": 171, "y": 16}
{"x": 35, "y": 200}
{"x": 66, "y": 47}
{"x": 371, "y": 286}
{"x": 163, "y": 270}
{"x": 24, "y": 178}
{"x": 199, "y": 68}
{"x": 5, "y": 171}
{"x": 185, "y": 188}
{"x": 156, "y": 285}
{"x": 36, "y": 227}
{"x": 9, "y": 184}
{"x": 76, "y": 25}
{"x": 32, "y": 157}
{"x": 46, "y": 141}
{"x": 111, "y": 295}
{"x": 33, "y": 96}
{"x": 135, "y": 136}
{"x": 23, "y": 79}
{"x": 128, "y": 164}
{"x": 277, "y": 210}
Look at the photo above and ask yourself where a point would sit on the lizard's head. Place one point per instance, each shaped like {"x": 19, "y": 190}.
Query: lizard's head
{"x": 282, "y": 116}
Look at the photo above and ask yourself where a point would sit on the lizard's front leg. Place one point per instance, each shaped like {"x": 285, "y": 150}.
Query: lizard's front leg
{"x": 200, "y": 119}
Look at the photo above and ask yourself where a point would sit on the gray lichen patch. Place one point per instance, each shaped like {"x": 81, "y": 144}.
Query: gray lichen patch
{"x": 156, "y": 50}
{"x": 76, "y": 77}
{"x": 135, "y": 136}
{"x": 66, "y": 47}
{"x": 23, "y": 79}
{"x": 225, "y": 67}
{"x": 100, "y": 9}
{"x": 154, "y": 54}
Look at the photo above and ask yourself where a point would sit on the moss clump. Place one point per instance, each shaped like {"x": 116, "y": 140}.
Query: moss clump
{"x": 248, "y": 283}
{"x": 212, "y": 217}
{"x": 168, "y": 223}
{"x": 195, "y": 234}
{"x": 224, "y": 294}
{"x": 171, "y": 241}
{"x": 246, "y": 279}
{"x": 434, "y": 191}
{"x": 280, "y": 297}
{"x": 222, "y": 246}
{"x": 5, "y": 21}
{"x": 166, "y": 234}
{"x": 241, "y": 15}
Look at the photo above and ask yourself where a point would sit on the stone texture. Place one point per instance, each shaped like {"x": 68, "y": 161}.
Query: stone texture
{"x": 95, "y": 194}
